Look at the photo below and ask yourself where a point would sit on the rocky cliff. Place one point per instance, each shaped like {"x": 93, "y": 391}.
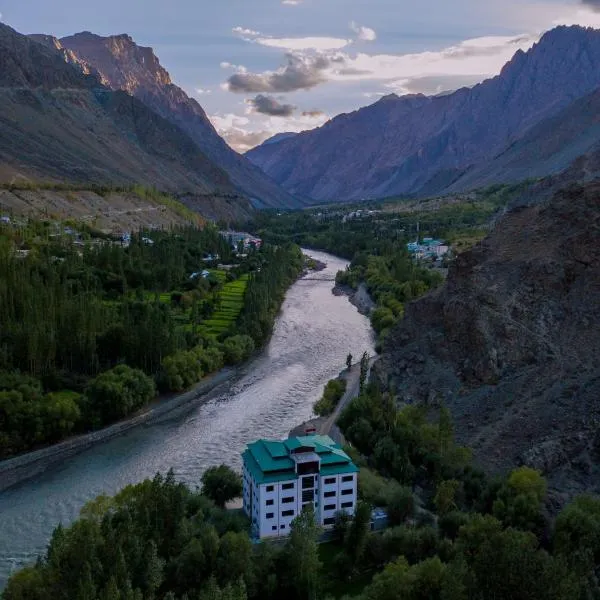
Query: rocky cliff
{"x": 421, "y": 145}
{"x": 59, "y": 123}
{"x": 123, "y": 65}
{"x": 511, "y": 343}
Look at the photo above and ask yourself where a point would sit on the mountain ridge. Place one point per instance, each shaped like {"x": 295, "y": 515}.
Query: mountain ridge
{"x": 407, "y": 144}
{"x": 59, "y": 123}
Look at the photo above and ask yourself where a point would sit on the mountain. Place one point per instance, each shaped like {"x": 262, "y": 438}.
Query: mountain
{"x": 546, "y": 149}
{"x": 421, "y": 145}
{"x": 511, "y": 342}
{"x": 123, "y": 65}
{"x": 59, "y": 123}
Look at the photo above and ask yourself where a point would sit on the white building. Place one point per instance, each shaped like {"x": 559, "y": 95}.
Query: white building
{"x": 281, "y": 477}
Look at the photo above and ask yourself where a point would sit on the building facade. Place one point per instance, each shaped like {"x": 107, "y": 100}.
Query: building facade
{"x": 281, "y": 477}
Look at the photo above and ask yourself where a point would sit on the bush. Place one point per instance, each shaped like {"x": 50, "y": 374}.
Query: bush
{"x": 238, "y": 348}
{"x": 334, "y": 390}
{"x": 180, "y": 371}
{"x": 118, "y": 393}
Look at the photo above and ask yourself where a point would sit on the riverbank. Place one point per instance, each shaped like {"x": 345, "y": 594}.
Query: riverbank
{"x": 25, "y": 466}
{"x": 360, "y": 297}
{"x": 327, "y": 425}
{"x": 28, "y": 465}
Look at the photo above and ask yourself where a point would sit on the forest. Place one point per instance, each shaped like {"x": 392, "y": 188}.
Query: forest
{"x": 453, "y": 533}
{"x": 91, "y": 328}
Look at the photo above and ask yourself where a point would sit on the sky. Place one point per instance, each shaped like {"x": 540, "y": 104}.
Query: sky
{"x": 261, "y": 67}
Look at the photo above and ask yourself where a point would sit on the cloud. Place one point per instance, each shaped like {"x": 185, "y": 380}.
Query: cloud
{"x": 593, "y": 4}
{"x": 291, "y": 2}
{"x": 243, "y": 31}
{"x": 313, "y": 114}
{"x": 307, "y": 43}
{"x": 203, "y": 91}
{"x": 466, "y": 63}
{"x": 302, "y": 43}
{"x": 365, "y": 34}
{"x": 300, "y": 73}
{"x": 244, "y": 133}
{"x": 267, "y": 105}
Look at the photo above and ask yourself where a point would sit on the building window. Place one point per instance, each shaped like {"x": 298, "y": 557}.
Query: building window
{"x": 269, "y": 502}
{"x": 283, "y": 527}
{"x": 347, "y": 492}
{"x": 274, "y": 528}
{"x": 287, "y": 513}
{"x": 287, "y": 486}
{"x": 347, "y": 478}
{"x": 329, "y": 507}
{"x": 307, "y": 483}
{"x": 288, "y": 500}
{"x": 329, "y": 494}
{"x": 308, "y": 495}
{"x": 347, "y": 504}
{"x": 329, "y": 521}
{"x": 329, "y": 480}
{"x": 271, "y": 515}
{"x": 270, "y": 488}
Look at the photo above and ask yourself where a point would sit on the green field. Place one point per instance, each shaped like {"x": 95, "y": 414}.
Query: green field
{"x": 232, "y": 302}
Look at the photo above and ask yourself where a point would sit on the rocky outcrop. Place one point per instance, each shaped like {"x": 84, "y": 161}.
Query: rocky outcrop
{"x": 123, "y": 65}
{"x": 511, "y": 343}
{"x": 422, "y": 145}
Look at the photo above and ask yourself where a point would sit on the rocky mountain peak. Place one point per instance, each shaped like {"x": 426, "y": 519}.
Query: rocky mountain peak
{"x": 120, "y": 61}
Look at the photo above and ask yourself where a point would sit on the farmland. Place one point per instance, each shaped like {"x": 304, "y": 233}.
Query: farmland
{"x": 231, "y": 302}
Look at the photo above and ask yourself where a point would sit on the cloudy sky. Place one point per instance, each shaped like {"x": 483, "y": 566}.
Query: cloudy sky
{"x": 260, "y": 67}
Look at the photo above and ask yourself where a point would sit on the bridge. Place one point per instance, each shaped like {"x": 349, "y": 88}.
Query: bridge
{"x": 317, "y": 279}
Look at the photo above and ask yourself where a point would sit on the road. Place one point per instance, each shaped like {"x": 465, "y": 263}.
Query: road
{"x": 327, "y": 425}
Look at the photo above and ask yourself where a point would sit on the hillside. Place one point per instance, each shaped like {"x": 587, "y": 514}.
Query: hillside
{"x": 59, "y": 124}
{"x": 511, "y": 343}
{"x": 546, "y": 149}
{"x": 123, "y": 65}
{"x": 421, "y": 145}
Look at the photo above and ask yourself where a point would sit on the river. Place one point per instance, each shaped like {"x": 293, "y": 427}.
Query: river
{"x": 313, "y": 334}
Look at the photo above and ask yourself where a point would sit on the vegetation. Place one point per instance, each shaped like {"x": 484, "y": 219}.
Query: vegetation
{"x": 89, "y": 326}
{"x": 334, "y": 390}
{"x": 221, "y": 484}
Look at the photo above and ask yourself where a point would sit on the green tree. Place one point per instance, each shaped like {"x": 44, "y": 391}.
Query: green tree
{"x": 119, "y": 392}
{"x": 221, "y": 484}
{"x": 302, "y": 556}
{"x": 364, "y": 369}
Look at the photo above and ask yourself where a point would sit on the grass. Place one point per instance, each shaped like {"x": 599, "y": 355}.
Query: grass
{"x": 230, "y": 307}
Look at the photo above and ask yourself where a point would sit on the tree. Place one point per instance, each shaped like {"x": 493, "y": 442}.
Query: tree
{"x": 302, "y": 555}
{"x": 349, "y": 361}
{"x": 221, "y": 484}
{"x": 117, "y": 393}
{"x": 356, "y": 535}
{"x": 445, "y": 496}
{"x": 401, "y": 505}
{"x": 364, "y": 370}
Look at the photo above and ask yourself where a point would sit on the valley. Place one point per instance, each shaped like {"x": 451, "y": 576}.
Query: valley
{"x": 191, "y": 271}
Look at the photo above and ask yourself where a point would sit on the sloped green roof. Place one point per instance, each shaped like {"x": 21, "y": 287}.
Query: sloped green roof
{"x": 269, "y": 461}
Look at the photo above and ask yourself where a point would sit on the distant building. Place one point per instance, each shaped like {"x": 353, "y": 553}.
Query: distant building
{"x": 235, "y": 237}
{"x": 428, "y": 248}
{"x": 281, "y": 477}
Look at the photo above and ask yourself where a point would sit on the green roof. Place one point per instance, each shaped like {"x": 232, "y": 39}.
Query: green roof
{"x": 269, "y": 461}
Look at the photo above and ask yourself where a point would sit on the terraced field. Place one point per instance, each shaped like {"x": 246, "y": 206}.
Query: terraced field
{"x": 232, "y": 302}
